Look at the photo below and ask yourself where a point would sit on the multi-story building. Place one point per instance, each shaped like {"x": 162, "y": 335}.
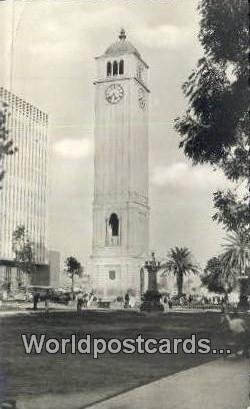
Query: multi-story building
{"x": 23, "y": 197}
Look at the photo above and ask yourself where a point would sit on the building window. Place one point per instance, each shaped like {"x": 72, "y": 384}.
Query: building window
{"x": 115, "y": 68}
{"x": 121, "y": 67}
{"x": 112, "y": 274}
{"x": 109, "y": 69}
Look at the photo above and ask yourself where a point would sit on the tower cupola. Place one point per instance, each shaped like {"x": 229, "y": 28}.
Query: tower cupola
{"x": 121, "y": 46}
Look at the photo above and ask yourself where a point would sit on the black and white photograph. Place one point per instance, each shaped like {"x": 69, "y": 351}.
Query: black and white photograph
{"x": 124, "y": 204}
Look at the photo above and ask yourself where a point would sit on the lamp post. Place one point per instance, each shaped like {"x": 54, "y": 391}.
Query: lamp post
{"x": 151, "y": 299}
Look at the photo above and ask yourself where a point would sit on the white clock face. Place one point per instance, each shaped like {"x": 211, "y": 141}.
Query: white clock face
{"x": 114, "y": 93}
{"x": 142, "y": 98}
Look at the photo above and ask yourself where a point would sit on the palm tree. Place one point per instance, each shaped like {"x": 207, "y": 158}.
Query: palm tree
{"x": 236, "y": 260}
{"x": 236, "y": 256}
{"x": 180, "y": 262}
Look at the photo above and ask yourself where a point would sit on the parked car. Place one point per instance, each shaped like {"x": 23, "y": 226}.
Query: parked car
{"x": 43, "y": 290}
{"x": 60, "y": 297}
{"x": 20, "y": 296}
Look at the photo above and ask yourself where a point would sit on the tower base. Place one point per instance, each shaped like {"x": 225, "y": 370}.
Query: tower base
{"x": 114, "y": 277}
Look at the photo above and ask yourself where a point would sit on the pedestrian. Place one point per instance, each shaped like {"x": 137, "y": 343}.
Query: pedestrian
{"x": 126, "y": 304}
{"x": 85, "y": 300}
{"x": 79, "y": 302}
{"x": 165, "y": 304}
{"x": 90, "y": 300}
{"x": 239, "y": 333}
{"x": 35, "y": 300}
{"x": 46, "y": 301}
{"x": 5, "y": 295}
{"x": 132, "y": 301}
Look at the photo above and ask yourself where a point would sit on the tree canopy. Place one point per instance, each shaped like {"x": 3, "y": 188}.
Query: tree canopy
{"x": 23, "y": 249}
{"x": 6, "y": 144}
{"x": 213, "y": 277}
{"x": 214, "y": 129}
{"x": 73, "y": 267}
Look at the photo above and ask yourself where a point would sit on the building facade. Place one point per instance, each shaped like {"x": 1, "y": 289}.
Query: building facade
{"x": 120, "y": 206}
{"x": 55, "y": 272}
{"x": 23, "y": 197}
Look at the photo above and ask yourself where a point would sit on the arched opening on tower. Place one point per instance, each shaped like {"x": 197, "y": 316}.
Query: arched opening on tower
{"x": 121, "y": 67}
{"x": 109, "y": 69}
{"x": 114, "y": 225}
{"x": 112, "y": 230}
{"x": 115, "y": 68}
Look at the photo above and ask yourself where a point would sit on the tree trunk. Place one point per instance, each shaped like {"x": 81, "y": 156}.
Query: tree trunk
{"x": 226, "y": 304}
{"x": 179, "y": 284}
{"x": 72, "y": 287}
{"x": 26, "y": 284}
{"x": 243, "y": 303}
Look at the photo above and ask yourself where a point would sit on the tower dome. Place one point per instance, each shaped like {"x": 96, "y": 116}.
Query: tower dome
{"x": 122, "y": 46}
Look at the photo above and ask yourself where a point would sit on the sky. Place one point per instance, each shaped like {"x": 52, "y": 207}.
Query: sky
{"x": 47, "y": 58}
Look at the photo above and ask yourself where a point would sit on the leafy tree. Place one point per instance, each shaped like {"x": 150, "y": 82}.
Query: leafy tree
{"x": 24, "y": 251}
{"x": 73, "y": 267}
{"x": 214, "y": 129}
{"x": 6, "y": 145}
{"x": 213, "y": 277}
{"x": 180, "y": 262}
{"x": 234, "y": 213}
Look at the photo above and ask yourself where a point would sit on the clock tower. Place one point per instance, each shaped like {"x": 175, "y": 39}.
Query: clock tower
{"x": 120, "y": 206}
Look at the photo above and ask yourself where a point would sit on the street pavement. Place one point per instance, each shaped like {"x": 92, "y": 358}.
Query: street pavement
{"x": 216, "y": 385}
{"x": 221, "y": 384}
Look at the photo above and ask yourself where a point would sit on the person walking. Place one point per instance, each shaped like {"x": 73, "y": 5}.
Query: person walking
{"x": 170, "y": 304}
{"x": 132, "y": 301}
{"x": 165, "y": 304}
{"x": 239, "y": 333}
{"x": 127, "y": 298}
{"x": 46, "y": 301}
{"x": 79, "y": 302}
{"x": 90, "y": 300}
{"x": 35, "y": 300}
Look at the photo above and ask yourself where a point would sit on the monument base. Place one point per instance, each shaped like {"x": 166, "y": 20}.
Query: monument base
{"x": 151, "y": 301}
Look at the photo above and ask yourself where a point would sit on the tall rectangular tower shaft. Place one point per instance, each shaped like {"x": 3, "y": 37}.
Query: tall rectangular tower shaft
{"x": 120, "y": 207}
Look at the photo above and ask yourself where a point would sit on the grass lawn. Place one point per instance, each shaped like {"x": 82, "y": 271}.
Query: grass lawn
{"x": 23, "y": 375}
